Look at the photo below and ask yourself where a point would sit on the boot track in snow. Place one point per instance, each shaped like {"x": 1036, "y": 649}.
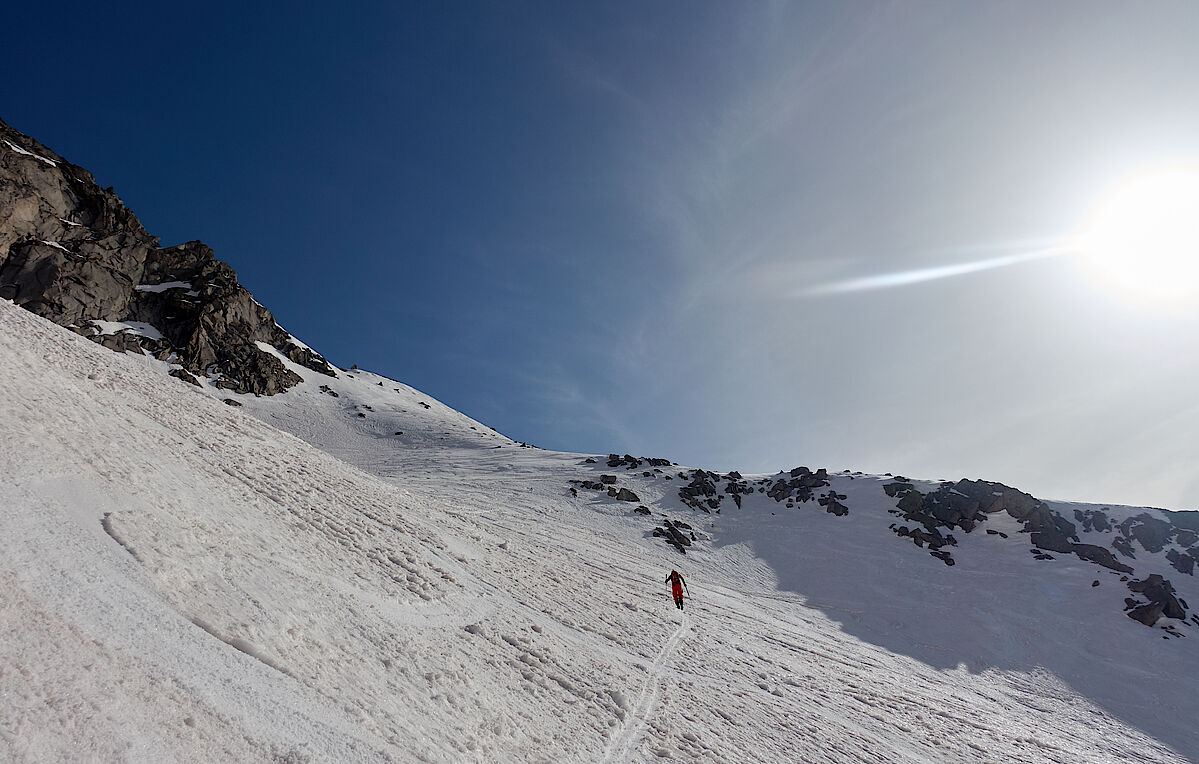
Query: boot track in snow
{"x": 647, "y": 701}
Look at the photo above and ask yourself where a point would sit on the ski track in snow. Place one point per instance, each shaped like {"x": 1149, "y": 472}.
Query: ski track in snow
{"x": 647, "y": 700}
{"x": 183, "y": 582}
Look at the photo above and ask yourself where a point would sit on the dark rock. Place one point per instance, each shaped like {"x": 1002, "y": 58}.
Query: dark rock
{"x": 1159, "y": 592}
{"x": 231, "y": 402}
{"x": 1123, "y": 546}
{"x": 1183, "y": 563}
{"x": 831, "y": 502}
{"x": 1146, "y": 614}
{"x": 1095, "y": 582}
{"x": 1098, "y": 555}
{"x": 186, "y": 376}
{"x": 589, "y": 460}
{"x": 626, "y": 495}
{"x": 642, "y": 510}
{"x": 607, "y": 479}
{"x": 1153, "y": 533}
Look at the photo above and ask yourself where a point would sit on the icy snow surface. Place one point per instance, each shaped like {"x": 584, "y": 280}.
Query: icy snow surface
{"x": 183, "y": 581}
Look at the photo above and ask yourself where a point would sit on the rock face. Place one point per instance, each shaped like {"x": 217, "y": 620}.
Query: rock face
{"x": 73, "y": 253}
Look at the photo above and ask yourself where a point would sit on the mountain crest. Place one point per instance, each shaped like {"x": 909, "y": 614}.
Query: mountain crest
{"x": 73, "y": 253}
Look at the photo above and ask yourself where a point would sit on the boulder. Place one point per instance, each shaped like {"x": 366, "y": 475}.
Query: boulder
{"x": 624, "y": 494}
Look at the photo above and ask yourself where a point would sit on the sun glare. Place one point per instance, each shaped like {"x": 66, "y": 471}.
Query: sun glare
{"x": 1141, "y": 239}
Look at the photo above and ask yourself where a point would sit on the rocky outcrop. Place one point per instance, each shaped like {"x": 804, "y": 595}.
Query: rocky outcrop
{"x": 1161, "y": 601}
{"x": 73, "y": 253}
{"x": 677, "y": 533}
{"x": 966, "y": 503}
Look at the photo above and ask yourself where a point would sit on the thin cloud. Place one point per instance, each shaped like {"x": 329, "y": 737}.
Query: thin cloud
{"x": 919, "y": 275}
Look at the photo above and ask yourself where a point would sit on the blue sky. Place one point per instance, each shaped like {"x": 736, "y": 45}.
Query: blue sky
{"x": 632, "y": 226}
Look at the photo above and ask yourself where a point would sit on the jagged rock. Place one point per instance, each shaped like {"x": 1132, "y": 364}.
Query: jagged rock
{"x": 1162, "y": 601}
{"x": 608, "y": 479}
{"x": 1124, "y": 547}
{"x": 943, "y": 556}
{"x": 911, "y": 502}
{"x": 626, "y": 495}
{"x": 589, "y": 460}
{"x": 1092, "y": 520}
{"x": 185, "y": 376}
{"x": 1146, "y": 614}
{"x": 73, "y": 253}
{"x": 1153, "y": 533}
{"x": 1183, "y": 563}
{"x": 642, "y": 510}
{"x": 831, "y": 502}
{"x": 1100, "y": 556}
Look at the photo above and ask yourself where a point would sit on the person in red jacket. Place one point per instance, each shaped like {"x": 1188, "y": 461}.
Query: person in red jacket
{"x": 676, "y": 581}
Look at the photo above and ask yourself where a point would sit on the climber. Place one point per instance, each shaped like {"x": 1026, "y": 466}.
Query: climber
{"x": 676, "y": 581}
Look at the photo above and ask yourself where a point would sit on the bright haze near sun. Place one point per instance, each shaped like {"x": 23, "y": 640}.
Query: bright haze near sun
{"x": 1141, "y": 240}
{"x": 937, "y": 239}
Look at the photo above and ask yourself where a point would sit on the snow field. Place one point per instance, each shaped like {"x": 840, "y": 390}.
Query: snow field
{"x": 184, "y": 582}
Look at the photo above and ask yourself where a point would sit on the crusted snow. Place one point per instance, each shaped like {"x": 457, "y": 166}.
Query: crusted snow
{"x": 38, "y": 157}
{"x": 185, "y": 582}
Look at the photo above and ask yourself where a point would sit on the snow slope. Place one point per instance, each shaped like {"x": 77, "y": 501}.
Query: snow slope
{"x": 184, "y": 581}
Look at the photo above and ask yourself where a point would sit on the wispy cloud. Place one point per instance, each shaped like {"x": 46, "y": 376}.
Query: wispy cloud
{"x": 919, "y": 275}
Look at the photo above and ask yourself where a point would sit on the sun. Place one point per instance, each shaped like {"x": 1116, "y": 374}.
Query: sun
{"x": 1141, "y": 240}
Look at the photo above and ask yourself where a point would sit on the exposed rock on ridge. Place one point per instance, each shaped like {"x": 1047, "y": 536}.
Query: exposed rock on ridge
{"x": 73, "y": 253}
